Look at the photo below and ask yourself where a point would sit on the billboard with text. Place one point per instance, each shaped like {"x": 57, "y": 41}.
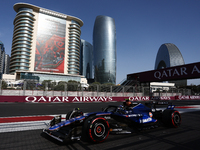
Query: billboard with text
{"x": 189, "y": 71}
{"x": 50, "y": 44}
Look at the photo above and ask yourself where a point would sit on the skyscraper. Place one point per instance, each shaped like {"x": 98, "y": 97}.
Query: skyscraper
{"x": 2, "y": 59}
{"x": 45, "y": 43}
{"x": 168, "y": 56}
{"x": 7, "y": 64}
{"x": 86, "y": 64}
{"x": 104, "y": 48}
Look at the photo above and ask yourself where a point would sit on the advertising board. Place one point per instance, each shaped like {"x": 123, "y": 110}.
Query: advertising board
{"x": 50, "y": 44}
{"x": 189, "y": 71}
{"x": 72, "y": 99}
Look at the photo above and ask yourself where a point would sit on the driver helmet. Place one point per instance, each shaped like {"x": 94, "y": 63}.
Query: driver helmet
{"x": 128, "y": 102}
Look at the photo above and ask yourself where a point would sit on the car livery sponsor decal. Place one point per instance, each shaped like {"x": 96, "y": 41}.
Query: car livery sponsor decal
{"x": 146, "y": 120}
{"x": 134, "y": 115}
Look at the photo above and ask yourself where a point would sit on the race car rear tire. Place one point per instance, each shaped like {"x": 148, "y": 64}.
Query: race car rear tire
{"x": 96, "y": 129}
{"x": 171, "y": 118}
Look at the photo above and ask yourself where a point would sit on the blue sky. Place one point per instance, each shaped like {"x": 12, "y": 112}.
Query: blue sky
{"x": 142, "y": 26}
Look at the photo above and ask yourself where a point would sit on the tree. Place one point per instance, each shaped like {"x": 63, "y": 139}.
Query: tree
{"x": 49, "y": 84}
{"x": 73, "y": 85}
{"x": 95, "y": 83}
{"x": 93, "y": 86}
{"x": 4, "y": 85}
{"x": 61, "y": 86}
{"x": 106, "y": 87}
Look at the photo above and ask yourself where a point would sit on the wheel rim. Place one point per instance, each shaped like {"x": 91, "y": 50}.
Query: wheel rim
{"x": 99, "y": 129}
{"x": 176, "y": 119}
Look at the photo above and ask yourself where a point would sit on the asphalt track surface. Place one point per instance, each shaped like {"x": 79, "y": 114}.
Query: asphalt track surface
{"x": 187, "y": 137}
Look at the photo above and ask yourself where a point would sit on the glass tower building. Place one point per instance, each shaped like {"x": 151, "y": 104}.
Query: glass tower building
{"x": 104, "y": 49}
{"x": 86, "y": 64}
{"x": 45, "y": 41}
{"x": 7, "y": 64}
{"x": 2, "y": 59}
{"x": 168, "y": 56}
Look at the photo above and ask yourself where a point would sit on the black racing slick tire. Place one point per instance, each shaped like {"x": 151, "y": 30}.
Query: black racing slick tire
{"x": 96, "y": 129}
{"x": 171, "y": 118}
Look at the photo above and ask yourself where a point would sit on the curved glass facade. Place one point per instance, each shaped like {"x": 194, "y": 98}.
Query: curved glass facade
{"x": 104, "y": 46}
{"x": 74, "y": 48}
{"x": 86, "y": 65}
{"x": 22, "y": 40}
{"x": 168, "y": 56}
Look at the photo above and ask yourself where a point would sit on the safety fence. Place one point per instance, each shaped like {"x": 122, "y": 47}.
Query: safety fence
{"x": 93, "y": 90}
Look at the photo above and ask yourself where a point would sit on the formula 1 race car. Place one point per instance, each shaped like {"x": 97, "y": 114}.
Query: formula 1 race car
{"x": 96, "y": 126}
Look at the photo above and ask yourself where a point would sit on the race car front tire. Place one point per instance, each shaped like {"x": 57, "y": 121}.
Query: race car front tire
{"x": 96, "y": 129}
{"x": 171, "y": 118}
{"x": 74, "y": 113}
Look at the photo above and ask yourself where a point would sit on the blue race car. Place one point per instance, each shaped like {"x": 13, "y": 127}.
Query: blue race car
{"x": 96, "y": 126}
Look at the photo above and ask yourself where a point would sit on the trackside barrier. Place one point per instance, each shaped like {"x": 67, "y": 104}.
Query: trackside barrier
{"x": 69, "y": 99}
{"x": 192, "y": 97}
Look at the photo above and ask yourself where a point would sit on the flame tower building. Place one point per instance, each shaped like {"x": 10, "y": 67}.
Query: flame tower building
{"x": 104, "y": 49}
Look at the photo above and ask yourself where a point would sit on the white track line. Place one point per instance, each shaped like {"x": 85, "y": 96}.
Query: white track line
{"x": 26, "y": 125}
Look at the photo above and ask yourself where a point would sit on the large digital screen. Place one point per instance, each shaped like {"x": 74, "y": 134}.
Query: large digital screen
{"x": 50, "y": 44}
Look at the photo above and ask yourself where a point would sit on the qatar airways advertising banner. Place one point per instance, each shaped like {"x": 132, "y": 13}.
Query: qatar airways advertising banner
{"x": 50, "y": 44}
{"x": 68, "y": 99}
{"x": 84, "y": 99}
{"x": 189, "y": 71}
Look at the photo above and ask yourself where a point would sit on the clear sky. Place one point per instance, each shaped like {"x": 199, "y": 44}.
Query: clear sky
{"x": 142, "y": 26}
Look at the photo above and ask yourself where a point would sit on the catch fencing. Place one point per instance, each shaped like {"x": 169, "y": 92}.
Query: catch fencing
{"x": 94, "y": 90}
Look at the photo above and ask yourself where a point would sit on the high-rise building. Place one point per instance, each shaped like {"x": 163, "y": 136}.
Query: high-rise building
{"x": 86, "y": 63}
{"x": 46, "y": 44}
{"x": 7, "y": 64}
{"x": 2, "y": 59}
{"x": 104, "y": 48}
{"x": 168, "y": 56}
